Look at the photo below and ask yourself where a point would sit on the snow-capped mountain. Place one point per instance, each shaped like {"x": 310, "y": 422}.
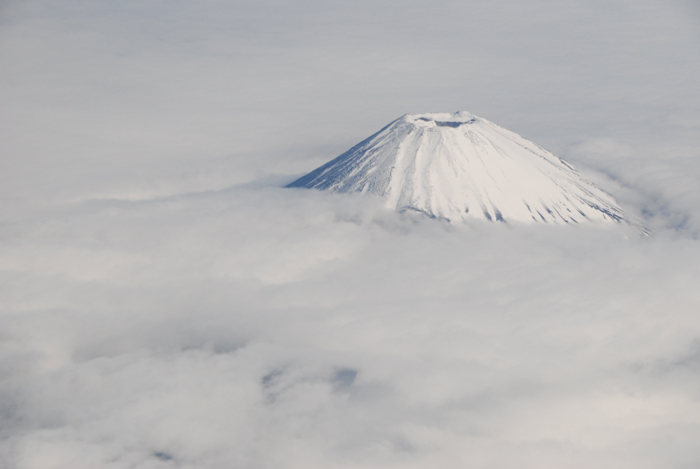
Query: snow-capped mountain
{"x": 457, "y": 166}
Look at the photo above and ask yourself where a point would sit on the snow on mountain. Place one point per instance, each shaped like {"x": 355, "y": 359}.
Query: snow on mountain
{"x": 459, "y": 166}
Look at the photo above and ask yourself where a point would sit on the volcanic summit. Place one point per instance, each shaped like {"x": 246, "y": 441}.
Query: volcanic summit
{"x": 457, "y": 166}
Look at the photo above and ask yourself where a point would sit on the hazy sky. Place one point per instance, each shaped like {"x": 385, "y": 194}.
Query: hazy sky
{"x": 164, "y": 303}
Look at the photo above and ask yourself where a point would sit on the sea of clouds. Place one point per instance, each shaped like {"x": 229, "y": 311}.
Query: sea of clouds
{"x": 164, "y": 302}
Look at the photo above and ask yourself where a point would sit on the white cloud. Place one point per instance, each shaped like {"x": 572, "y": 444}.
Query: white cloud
{"x": 166, "y": 304}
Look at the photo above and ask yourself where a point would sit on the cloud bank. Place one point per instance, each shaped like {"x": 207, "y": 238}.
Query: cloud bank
{"x": 166, "y": 304}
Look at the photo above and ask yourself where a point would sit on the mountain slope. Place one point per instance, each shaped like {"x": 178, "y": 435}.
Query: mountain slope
{"x": 459, "y": 166}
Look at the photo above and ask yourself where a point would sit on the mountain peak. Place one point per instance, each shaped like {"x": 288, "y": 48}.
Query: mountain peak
{"x": 440, "y": 119}
{"x": 457, "y": 166}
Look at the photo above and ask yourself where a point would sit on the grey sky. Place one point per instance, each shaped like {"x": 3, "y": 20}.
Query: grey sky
{"x": 166, "y": 304}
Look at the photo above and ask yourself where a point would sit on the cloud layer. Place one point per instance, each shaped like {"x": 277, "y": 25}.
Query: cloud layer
{"x": 166, "y": 304}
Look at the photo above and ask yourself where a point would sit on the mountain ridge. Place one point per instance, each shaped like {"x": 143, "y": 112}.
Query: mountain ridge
{"x": 457, "y": 166}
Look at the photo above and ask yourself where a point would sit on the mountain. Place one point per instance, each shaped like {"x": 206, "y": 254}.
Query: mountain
{"x": 459, "y": 166}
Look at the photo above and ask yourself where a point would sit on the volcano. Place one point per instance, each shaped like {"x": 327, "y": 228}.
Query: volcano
{"x": 457, "y": 166}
